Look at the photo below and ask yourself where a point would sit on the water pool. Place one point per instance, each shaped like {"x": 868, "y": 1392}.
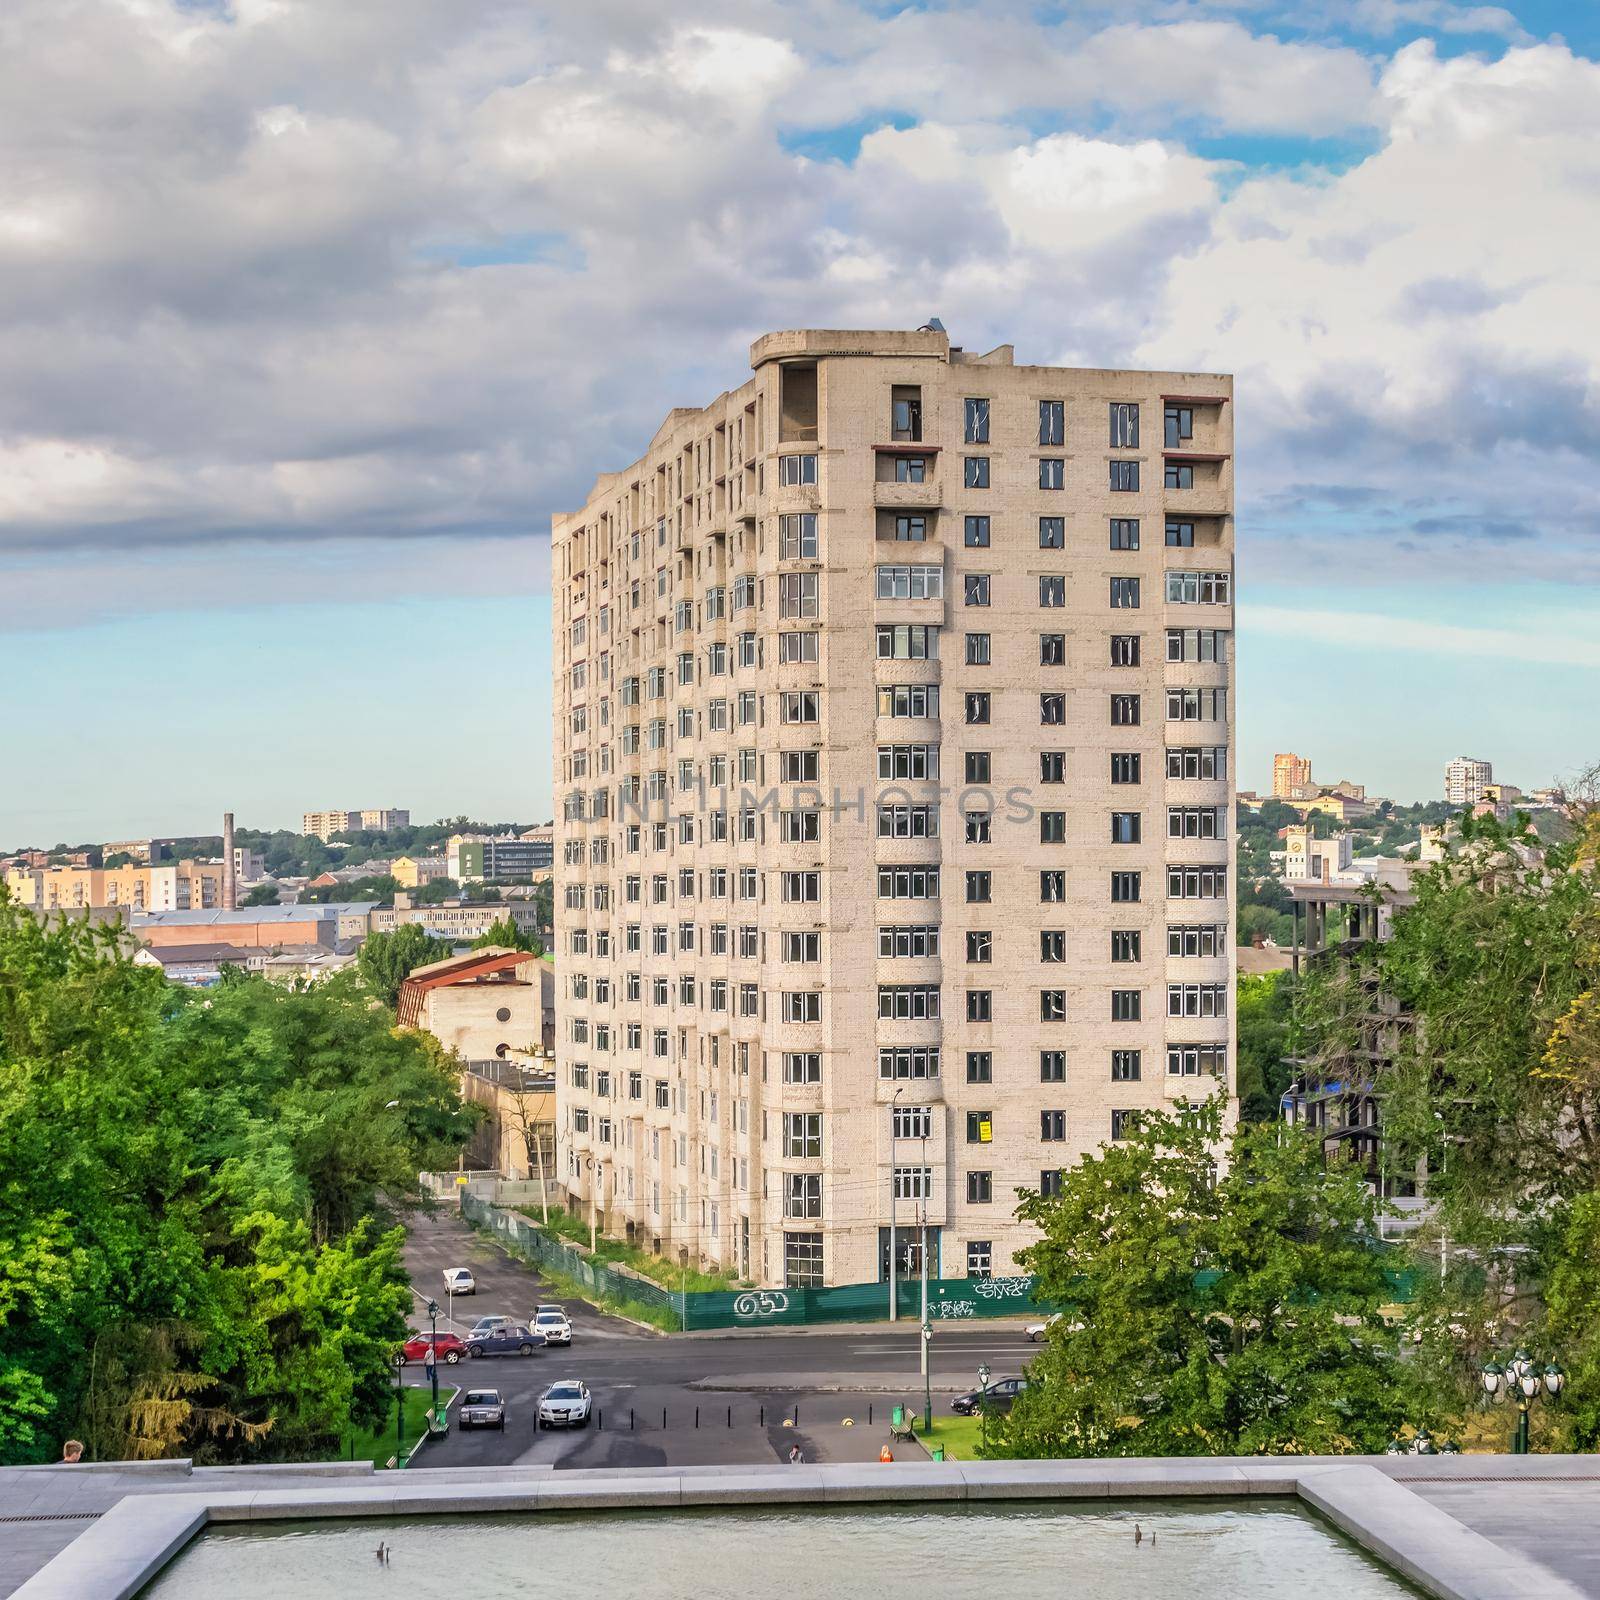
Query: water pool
{"x": 1207, "y": 1550}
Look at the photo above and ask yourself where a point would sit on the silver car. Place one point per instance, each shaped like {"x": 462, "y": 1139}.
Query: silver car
{"x": 565, "y": 1405}
{"x": 482, "y": 1408}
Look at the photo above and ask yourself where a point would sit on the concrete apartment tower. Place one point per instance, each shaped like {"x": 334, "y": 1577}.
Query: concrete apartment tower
{"x": 893, "y": 729}
{"x": 1465, "y": 779}
{"x": 230, "y": 871}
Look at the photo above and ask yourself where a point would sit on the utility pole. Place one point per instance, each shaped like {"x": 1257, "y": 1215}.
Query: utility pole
{"x": 894, "y": 1125}
{"x": 924, "y": 1183}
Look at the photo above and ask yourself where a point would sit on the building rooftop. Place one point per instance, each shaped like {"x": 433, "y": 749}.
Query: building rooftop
{"x": 215, "y": 917}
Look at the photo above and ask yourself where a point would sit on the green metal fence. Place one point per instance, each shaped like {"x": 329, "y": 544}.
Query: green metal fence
{"x": 949, "y": 1299}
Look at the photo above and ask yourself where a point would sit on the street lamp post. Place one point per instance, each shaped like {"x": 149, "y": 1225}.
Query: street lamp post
{"x": 399, "y": 1407}
{"x": 924, "y": 1182}
{"x": 433, "y": 1363}
{"x": 983, "y": 1384}
{"x": 1521, "y": 1382}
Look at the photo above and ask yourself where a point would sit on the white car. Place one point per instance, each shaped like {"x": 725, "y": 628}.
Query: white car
{"x": 552, "y": 1322}
{"x": 565, "y": 1405}
{"x": 1037, "y": 1330}
{"x": 457, "y": 1280}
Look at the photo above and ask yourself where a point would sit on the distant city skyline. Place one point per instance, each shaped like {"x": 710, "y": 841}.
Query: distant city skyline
{"x": 289, "y": 402}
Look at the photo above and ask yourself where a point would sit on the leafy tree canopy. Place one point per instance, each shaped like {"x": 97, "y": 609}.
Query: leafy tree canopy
{"x": 505, "y": 932}
{"x": 385, "y": 959}
{"x": 1210, "y": 1314}
{"x": 193, "y": 1252}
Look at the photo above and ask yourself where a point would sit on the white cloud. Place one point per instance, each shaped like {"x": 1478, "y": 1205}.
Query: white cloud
{"x": 1370, "y": 631}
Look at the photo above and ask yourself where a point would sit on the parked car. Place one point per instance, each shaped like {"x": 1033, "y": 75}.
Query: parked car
{"x": 552, "y": 1322}
{"x": 487, "y": 1325}
{"x": 448, "y": 1347}
{"x": 565, "y": 1405}
{"x": 458, "y": 1280}
{"x": 1037, "y": 1330}
{"x": 482, "y": 1408}
{"x": 997, "y": 1397}
{"x": 513, "y": 1340}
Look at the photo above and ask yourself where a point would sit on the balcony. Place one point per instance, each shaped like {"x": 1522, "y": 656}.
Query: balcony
{"x": 924, "y": 496}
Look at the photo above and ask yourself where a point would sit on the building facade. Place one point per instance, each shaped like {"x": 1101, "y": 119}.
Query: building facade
{"x": 1465, "y": 779}
{"x": 893, "y": 730}
{"x": 1291, "y": 776}
{"x": 498, "y": 858}
{"x": 325, "y": 824}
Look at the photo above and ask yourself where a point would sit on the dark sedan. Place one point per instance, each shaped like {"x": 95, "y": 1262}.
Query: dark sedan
{"x": 514, "y": 1340}
{"x": 997, "y": 1397}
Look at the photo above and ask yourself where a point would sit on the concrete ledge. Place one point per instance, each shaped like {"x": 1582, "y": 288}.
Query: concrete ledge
{"x": 1422, "y": 1542}
{"x": 1419, "y": 1541}
{"x": 288, "y": 1469}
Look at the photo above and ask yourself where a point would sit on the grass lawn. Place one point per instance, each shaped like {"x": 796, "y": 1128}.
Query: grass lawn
{"x": 378, "y": 1445}
{"x": 574, "y": 1230}
{"x": 958, "y": 1435}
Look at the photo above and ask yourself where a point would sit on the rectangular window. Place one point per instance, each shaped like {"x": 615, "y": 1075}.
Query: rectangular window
{"x": 910, "y": 469}
{"x": 1197, "y": 705}
{"x": 1126, "y": 827}
{"x": 1124, "y": 766}
{"x": 1125, "y": 1066}
{"x": 1124, "y": 594}
{"x": 908, "y": 761}
{"x": 796, "y": 471}
{"x": 1197, "y": 883}
{"x": 1123, "y": 1123}
{"x": 1195, "y": 822}
{"x": 1052, "y": 886}
{"x": 911, "y": 941}
{"x": 1197, "y": 1060}
{"x": 907, "y": 1002}
{"x": 1124, "y": 711}
{"x": 1178, "y": 426}
{"x": 910, "y": 583}
{"x": 1196, "y": 644}
{"x": 1052, "y": 1126}
{"x": 1052, "y": 591}
{"x": 905, "y": 402}
{"x": 802, "y": 1135}
{"x": 980, "y": 946}
{"x": 1052, "y": 472}
{"x": 1199, "y": 588}
{"x": 912, "y": 1122}
{"x": 980, "y": 888}
{"x": 1050, "y": 1183}
{"x": 1052, "y": 649}
{"x": 1052, "y": 1066}
{"x": 910, "y": 529}
{"x": 913, "y": 1183}
{"x": 1197, "y": 1000}
{"x": 1052, "y": 827}
{"x": 795, "y": 647}
{"x": 975, "y": 766}
{"x": 1052, "y": 533}
{"x": 977, "y": 649}
{"x": 802, "y": 1066}
{"x": 980, "y": 1127}
{"x": 908, "y": 822}
{"x": 1124, "y": 425}
{"x": 977, "y": 824}
{"x": 1124, "y": 533}
{"x": 914, "y": 641}
{"x": 1125, "y": 944}
{"x": 980, "y": 1258}
{"x": 977, "y": 707}
{"x": 1052, "y": 422}
{"x": 909, "y": 1064}
{"x": 1179, "y": 475}
{"x": 1124, "y": 887}
{"x": 1052, "y": 1005}
{"x": 908, "y": 700}
{"x": 977, "y": 533}
{"x": 801, "y": 1006}
{"x": 976, "y": 420}
{"x": 1198, "y": 761}
{"x": 798, "y": 766}
{"x": 975, "y": 474}
{"x": 797, "y": 537}
{"x": 1052, "y": 709}
{"x": 980, "y": 1066}
{"x": 797, "y": 594}
{"x": 1053, "y": 945}
{"x": 980, "y": 1188}
{"x": 908, "y": 883}
{"x": 975, "y": 588}
{"x": 802, "y": 1261}
{"x": 1125, "y": 1005}
{"x": 1125, "y": 477}
{"x": 802, "y": 1195}
{"x": 1052, "y": 766}
{"x": 1200, "y": 939}
{"x": 1124, "y": 649}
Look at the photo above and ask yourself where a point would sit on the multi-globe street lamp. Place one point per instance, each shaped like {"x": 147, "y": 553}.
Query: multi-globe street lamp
{"x": 1521, "y": 1382}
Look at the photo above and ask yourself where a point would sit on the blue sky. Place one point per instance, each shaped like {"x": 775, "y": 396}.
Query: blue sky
{"x": 308, "y": 330}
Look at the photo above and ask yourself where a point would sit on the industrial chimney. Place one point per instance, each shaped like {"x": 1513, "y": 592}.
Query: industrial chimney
{"x": 230, "y": 883}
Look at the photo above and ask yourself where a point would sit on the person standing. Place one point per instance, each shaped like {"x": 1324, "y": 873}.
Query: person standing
{"x": 72, "y": 1452}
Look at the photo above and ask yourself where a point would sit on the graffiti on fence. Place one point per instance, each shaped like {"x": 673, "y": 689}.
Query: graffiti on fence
{"x": 1001, "y": 1288}
{"x": 760, "y": 1303}
{"x": 948, "y": 1309}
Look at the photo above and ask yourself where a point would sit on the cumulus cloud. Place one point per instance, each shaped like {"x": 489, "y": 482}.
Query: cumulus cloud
{"x": 301, "y": 274}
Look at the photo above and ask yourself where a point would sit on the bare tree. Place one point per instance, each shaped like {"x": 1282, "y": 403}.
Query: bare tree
{"x": 523, "y": 1102}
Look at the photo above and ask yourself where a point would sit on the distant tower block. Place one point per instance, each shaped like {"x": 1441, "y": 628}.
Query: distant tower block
{"x": 230, "y": 875}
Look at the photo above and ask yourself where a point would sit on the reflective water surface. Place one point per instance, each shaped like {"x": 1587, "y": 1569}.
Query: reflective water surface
{"x": 1204, "y": 1551}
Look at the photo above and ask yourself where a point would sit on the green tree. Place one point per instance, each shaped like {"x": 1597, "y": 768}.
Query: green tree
{"x": 1262, "y": 1011}
{"x": 1210, "y": 1315}
{"x": 386, "y": 959}
{"x": 264, "y": 894}
{"x": 195, "y": 1249}
{"x": 506, "y": 933}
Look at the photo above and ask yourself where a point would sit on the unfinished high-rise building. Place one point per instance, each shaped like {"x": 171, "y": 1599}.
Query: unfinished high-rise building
{"x": 893, "y": 727}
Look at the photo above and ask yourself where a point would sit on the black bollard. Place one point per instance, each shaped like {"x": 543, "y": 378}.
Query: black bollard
{"x": 730, "y": 1416}
{"x": 630, "y": 1419}
{"x": 697, "y": 1416}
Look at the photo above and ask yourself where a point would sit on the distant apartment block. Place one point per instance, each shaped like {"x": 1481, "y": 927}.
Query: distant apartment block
{"x": 411, "y": 872}
{"x": 893, "y": 730}
{"x": 504, "y": 858}
{"x": 456, "y": 919}
{"x": 177, "y": 886}
{"x": 325, "y": 824}
{"x": 1465, "y": 780}
{"x": 1291, "y": 776}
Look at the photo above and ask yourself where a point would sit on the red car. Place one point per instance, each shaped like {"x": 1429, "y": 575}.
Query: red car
{"x": 450, "y": 1347}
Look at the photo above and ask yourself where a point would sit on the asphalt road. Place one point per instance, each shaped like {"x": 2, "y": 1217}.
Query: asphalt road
{"x": 649, "y": 1386}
